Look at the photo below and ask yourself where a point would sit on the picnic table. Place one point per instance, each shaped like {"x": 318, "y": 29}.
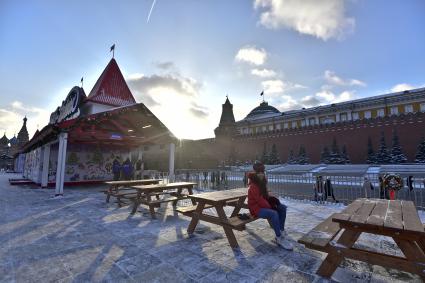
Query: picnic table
{"x": 217, "y": 200}
{"x": 150, "y": 195}
{"x": 397, "y": 219}
{"x": 122, "y": 188}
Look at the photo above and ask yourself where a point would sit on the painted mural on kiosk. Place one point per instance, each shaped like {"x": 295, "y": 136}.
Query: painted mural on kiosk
{"x": 33, "y": 165}
{"x": 86, "y": 163}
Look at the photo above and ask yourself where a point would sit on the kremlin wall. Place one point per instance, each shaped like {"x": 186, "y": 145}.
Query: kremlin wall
{"x": 351, "y": 124}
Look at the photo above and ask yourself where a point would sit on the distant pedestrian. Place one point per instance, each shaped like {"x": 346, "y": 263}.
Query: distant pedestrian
{"x": 116, "y": 169}
{"x": 329, "y": 191}
{"x": 223, "y": 177}
{"x": 367, "y": 185}
{"x": 383, "y": 192}
{"x": 127, "y": 169}
{"x": 318, "y": 189}
{"x": 245, "y": 179}
{"x": 205, "y": 177}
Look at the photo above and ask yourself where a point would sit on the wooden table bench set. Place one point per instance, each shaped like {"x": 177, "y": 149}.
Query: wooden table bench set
{"x": 218, "y": 200}
{"x": 147, "y": 192}
{"x": 335, "y": 236}
{"x": 397, "y": 219}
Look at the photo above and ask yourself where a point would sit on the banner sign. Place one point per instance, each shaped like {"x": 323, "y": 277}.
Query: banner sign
{"x": 70, "y": 107}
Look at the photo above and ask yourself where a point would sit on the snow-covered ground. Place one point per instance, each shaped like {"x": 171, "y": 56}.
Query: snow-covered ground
{"x": 81, "y": 238}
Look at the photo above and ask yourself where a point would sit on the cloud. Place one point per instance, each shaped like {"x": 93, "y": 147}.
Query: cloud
{"x": 11, "y": 118}
{"x": 328, "y": 96}
{"x": 401, "y": 87}
{"x": 278, "y": 86}
{"x": 323, "y": 19}
{"x": 263, "y": 73}
{"x": 165, "y": 65}
{"x": 145, "y": 87}
{"x": 288, "y": 103}
{"x": 199, "y": 111}
{"x": 251, "y": 55}
{"x": 333, "y": 79}
{"x": 310, "y": 101}
{"x": 173, "y": 98}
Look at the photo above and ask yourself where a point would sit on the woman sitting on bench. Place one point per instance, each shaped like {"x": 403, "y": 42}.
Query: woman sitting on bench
{"x": 264, "y": 206}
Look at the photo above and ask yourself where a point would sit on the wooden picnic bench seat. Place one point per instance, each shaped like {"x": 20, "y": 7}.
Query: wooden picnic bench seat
{"x": 187, "y": 210}
{"x": 239, "y": 224}
{"x": 321, "y": 235}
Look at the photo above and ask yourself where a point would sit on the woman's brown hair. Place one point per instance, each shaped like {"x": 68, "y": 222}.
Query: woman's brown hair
{"x": 260, "y": 180}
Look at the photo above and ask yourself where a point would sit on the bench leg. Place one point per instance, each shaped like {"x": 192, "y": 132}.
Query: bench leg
{"x": 333, "y": 259}
{"x": 195, "y": 217}
{"x": 136, "y": 204}
{"x": 229, "y": 232}
{"x": 152, "y": 211}
{"x": 238, "y": 207}
{"x": 412, "y": 252}
{"x": 421, "y": 243}
{"x": 190, "y": 191}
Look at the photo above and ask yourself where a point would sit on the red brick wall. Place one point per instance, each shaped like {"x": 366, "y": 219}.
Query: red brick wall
{"x": 354, "y": 135}
{"x": 410, "y": 128}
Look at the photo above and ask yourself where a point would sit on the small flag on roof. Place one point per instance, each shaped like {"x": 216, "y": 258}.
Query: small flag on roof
{"x": 113, "y": 50}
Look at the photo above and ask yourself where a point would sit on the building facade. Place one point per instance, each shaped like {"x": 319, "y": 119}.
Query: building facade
{"x": 345, "y": 127}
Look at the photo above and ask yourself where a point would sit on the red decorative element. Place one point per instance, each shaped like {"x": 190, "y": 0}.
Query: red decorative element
{"x": 111, "y": 88}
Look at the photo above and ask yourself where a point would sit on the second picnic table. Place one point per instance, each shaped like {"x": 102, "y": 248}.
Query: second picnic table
{"x": 397, "y": 219}
{"x": 125, "y": 185}
{"x": 150, "y": 194}
{"x": 218, "y": 200}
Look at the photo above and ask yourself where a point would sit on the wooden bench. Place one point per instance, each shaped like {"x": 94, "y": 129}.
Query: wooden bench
{"x": 396, "y": 219}
{"x": 238, "y": 224}
{"x": 188, "y": 210}
{"x": 174, "y": 190}
{"x": 115, "y": 187}
{"x": 321, "y": 235}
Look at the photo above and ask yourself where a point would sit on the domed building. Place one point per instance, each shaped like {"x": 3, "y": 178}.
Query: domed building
{"x": 263, "y": 111}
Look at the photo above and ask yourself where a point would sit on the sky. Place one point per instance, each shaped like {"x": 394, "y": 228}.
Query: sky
{"x": 181, "y": 58}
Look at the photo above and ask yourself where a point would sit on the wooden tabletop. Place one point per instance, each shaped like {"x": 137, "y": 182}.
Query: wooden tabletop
{"x": 176, "y": 185}
{"x": 220, "y": 196}
{"x": 399, "y": 216}
{"x": 134, "y": 182}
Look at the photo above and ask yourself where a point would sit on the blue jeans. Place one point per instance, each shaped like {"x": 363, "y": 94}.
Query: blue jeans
{"x": 277, "y": 217}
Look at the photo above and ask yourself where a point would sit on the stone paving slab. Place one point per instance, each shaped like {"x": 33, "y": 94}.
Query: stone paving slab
{"x": 81, "y": 238}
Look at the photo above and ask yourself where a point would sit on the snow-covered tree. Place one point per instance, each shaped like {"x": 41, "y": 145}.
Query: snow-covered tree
{"x": 383, "y": 156}
{"x": 274, "y": 157}
{"x": 344, "y": 155}
{"x": 397, "y": 155}
{"x": 371, "y": 157}
{"x": 324, "y": 156}
{"x": 334, "y": 156}
{"x": 420, "y": 153}
{"x": 302, "y": 156}
{"x": 291, "y": 158}
{"x": 265, "y": 156}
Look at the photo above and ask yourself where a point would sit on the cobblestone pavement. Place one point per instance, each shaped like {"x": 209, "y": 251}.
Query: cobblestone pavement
{"x": 80, "y": 238}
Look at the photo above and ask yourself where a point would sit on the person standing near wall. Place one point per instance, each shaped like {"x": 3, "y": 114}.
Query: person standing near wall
{"x": 116, "y": 169}
{"x": 127, "y": 169}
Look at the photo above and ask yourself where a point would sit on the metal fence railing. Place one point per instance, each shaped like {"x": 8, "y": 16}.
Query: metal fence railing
{"x": 300, "y": 186}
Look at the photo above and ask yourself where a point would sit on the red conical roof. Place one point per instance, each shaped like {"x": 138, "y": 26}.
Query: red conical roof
{"x": 111, "y": 88}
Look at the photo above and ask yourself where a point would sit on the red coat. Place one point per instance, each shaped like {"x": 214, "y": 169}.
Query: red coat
{"x": 255, "y": 200}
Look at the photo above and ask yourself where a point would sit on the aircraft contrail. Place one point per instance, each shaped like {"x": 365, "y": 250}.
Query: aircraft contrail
{"x": 150, "y": 12}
